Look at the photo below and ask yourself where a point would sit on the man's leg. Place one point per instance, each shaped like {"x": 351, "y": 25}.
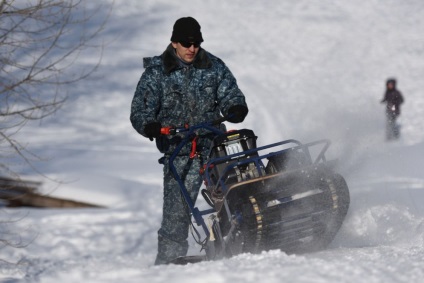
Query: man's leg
{"x": 172, "y": 236}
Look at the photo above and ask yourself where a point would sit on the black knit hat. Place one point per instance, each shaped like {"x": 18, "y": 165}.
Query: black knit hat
{"x": 186, "y": 29}
{"x": 392, "y": 81}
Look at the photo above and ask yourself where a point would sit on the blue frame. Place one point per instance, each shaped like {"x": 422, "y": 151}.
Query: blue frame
{"x": 189, "y": 131}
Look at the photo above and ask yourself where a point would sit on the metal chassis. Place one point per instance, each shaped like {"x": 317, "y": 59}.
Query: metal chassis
{"x": 189, "y": 132}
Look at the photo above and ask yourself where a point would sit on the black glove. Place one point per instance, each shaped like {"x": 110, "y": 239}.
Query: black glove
{"x": 152, "y": 130}
{"x": 237, "y": 113}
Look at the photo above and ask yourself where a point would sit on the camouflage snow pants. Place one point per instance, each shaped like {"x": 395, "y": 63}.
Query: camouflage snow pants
{"x": 173, "y": 233}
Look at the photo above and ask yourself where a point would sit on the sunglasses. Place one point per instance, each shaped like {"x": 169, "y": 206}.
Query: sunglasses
{"x": 187, "y": 44}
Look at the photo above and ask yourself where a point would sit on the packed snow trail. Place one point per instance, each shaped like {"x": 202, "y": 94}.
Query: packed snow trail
{"x": 309, "y": 70}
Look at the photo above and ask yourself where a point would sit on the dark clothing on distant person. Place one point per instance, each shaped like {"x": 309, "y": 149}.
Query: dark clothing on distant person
{"x": 393, "y": 99}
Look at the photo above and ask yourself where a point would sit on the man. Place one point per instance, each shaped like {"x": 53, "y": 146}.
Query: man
{"x": 393, "y": 99}
{"x": 184, "y": 85}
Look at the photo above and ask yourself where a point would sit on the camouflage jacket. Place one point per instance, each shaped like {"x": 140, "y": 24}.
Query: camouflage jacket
{"x": 175, "y": 94}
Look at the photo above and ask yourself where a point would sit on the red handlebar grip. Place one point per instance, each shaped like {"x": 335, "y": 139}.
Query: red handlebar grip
{"x": 165, "y": 130}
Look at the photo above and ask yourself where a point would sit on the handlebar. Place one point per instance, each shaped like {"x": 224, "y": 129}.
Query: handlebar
{"x": 188, "y": 133}
{"x": 171, "y": 130}
{"x": 168, "y": 131}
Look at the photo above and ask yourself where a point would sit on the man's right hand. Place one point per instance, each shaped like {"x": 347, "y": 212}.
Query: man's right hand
{"x": 152, "y": 130}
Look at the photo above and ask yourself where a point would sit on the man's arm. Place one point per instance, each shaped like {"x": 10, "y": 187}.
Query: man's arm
{"x": 145, "y": 103}
{"x": 230, "y": 97}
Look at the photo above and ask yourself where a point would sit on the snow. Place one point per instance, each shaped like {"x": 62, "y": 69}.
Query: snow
{"x": 309, "y": 70}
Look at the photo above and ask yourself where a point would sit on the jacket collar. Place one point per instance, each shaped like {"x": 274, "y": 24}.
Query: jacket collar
{"x": 171, "y": 63}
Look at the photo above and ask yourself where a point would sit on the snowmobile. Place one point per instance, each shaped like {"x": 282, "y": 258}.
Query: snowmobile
{"x": 275, "y": 196}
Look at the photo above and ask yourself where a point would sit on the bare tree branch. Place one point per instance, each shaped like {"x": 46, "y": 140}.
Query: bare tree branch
{"x": 41, "y": 44}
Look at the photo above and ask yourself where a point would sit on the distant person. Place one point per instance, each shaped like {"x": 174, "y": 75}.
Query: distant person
{"x": 393, "y": 99}
{"x": 184, "y": 85}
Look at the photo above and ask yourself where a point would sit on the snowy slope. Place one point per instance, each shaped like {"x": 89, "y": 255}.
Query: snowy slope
{"x": 309, "y": 70}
